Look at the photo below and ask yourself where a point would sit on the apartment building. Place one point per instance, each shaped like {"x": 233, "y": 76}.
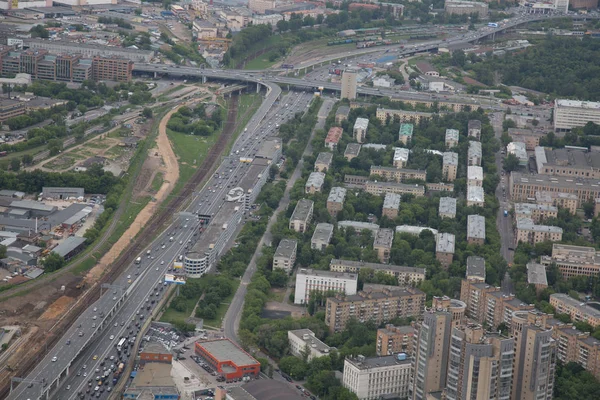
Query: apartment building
{"x": 401, "y": 115}
{"x": 475, "y": 195}
{"x": 455, "y": 307}
{"x": 260, "y": 6}
{"x": 304, "y": 342}
{"x": 536, "y": 275}
{"x": 373, "y": 304}
{"x": 406, "y": 276}
{"x": 577, "y": 310}
{"x": 475, "y": 269}
{"x": 321, "y": 236}
{"x": 527, "y": 231}
{"x": 323, "y": 162}
{"x": 303, "y": 212}
{"x": 395, "y": 339}
{"x": 566, "y": 338}
{"x": 405, "y": 133}
{"x": 523, "y": 187}
{"x": 349, "y": 77}
{"x": 380, "y": 188}
{"x": 359, "y": 226}
{"x": 341, "y": 114}
{"x": 400, "y": 157}
{"x": 314, "y": 183}
{"x": 571, "y": 162}
{"x": 285, "y": 255}
{"x": 449, "y": 166}
{"x": 374, "y": 378}
{"x": 312, "y": 280}
{"x": 474, "y": 129}
{"x": 535, "y": 212}
{"x": 447, "y": 207}
{"x": 527, "y": 136}
{"x": 569, "y": 114}
{"x": 112, "y": 69}
{"x": 474, "y": 176}
{"x": 500, "y": 308}
{"x": 383, "y": 244}
{"x": 558, "y": 199}
{"x": 473, "y": 293}
{"x": 444, "y": 248}
{"x": 474, "y": 153}
{"x": 479, "y": 364}
{"x": 361, "y": 125}
{"x": 397, "y": 175}
{"x": 574, "y": 260}
{"x": 588, "y": 355}
{"x": 451, "y": 138}
{"x": 335, "y": 200}
{"x": 415, "y": 230}
{"x": 476, "y": 230}
{"x": 352, "y": 151}
{"x": 430, "y": 357}
{"x": 333, "y": 137}
{"x": 11, "y": 108}
{"x": 391, "y": 204}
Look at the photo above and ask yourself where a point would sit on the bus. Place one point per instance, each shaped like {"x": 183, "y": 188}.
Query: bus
{"x": 121, "y": 343}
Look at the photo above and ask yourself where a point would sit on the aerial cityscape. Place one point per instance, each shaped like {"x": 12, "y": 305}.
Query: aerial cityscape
{"x": 298, "y": 199}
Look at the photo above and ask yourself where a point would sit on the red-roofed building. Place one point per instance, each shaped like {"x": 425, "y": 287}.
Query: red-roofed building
{"x": 362, "y": 6}
{"x": 227, "y": 358}
{"x": 333, "y": 137}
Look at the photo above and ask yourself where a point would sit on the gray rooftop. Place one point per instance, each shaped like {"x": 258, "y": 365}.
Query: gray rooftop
{"x": 474, "y": 172}
{"x": 226, "y": 350}
{"x": 445, "y": 243}
{"x": 378, "y": 362}
{"x": 264, "y": 389}
{"x": 450, "y": 158}
{"x": 452, "y": 134}
{"x": 447, "y": 205}
{"x": 474, "y": 149}
{"x": 536, "y": 274}
{"x": 476, "y": 227}
{"x": 326, "y": 274}
{"x": 64, "y": 215}
{"x": 582, "y": 307}
{"x": 337, "y": 195}
{"x": 324, "y": 158}
{"x": 376, "y": 266}
{"x": 70, "y": 244}
{"x": 374, "y": 146}
{"x": 269, "y": 147}
{"x": 359, "y": 226}
{"x": 343, "y": 110}
{"x": 401, "y": 154}
{"x": 315, "y": 179}
{"x": 475, "y": 267}
{"x": 377, "y": 292}
{"x": 323, "y": 232}
{"x": 528, "y": 208}
{"x": 475, "y": 193}
{"x": 414, "y": 230}
{"x": 574, "y": 158}
{"x": 215, "y": 229}
{"x": 361, "y": 123}
{"x": 286, "y": 248}
{"x": 384, "y": 238}
{"x": 32, "y": 205}
{"x": 302, "y": 210}
{"x": 528, "y": 225}
{"x": 474, "y": 124}
{"x": 352, "y": 149}
{"x": 392, "y": 201}
{"x": 311, "y": 340}
{"x": 554, "y": 181}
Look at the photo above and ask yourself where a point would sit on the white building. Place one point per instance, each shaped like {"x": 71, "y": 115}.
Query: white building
{"x": 400, "y": 157}
{"x": 304, "y": 341}
{"x": 360, "y": 129}
{"x": 383, "y": 81}
{"x": 311, "y": 280}
{"x": 474, "y": 153}
{"x": 321, "y": 236}
{"x": 285, "y": 255}
{"x": 378, "y": 377}
{"x": 569, "y": 114}
{"x": 474, "y": 175}
{"x": 451, "y": 139}
{"x": 475, "y": 196}
{"x": 519, "y": 150}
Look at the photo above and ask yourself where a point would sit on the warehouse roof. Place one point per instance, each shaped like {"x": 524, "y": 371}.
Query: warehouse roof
{"x": 225, "y": 350}
{"x": 70, "y": 244}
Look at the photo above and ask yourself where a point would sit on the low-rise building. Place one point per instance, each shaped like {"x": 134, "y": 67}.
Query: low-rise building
{"x": 227, "y": 358}
{"x": 335, "y": 200}
{"x": 474, "y": 176}
{"x": 406, "y": 276}
{"x": 474, "y": 153}
{"x": 303, "y": 342}
{"x": 574, "y": 260}
{"x": 475, "y": 195}
{"x": 380, "y": 188}
{"x": 536, "y": 275}
{"x": 333, "y": 137}
{"x": 476, "y": 230}
{"x": 449, "y": 166}
{"x": 447, "y": 207}
{"x": 400, "y": 157}
{"x": 383, "y": 244}
{"x": 359, "y": 226}
{"x": 312, "y": 280}
{"x": 415, "y": 230}
{"x": 285, "y": 255}
{"x": 577, "y": 310}
{"x": 323, "y": 162}
{"x": 341, "y": 114}
{"x": 535, "y": 212}
{"x": 321, "y": 236}
{"x": 395, "y": 339}
{"x": 405, "y": 133}
{"x": 475, "y": 269}
{"x": 402, "y": 115}
{"x": 377, "y": 377}
{"x": 451, "y": 139}
{"x": 527, "y": 136}
{"x": 518, "y": 149}
{"x": 558, "y": 199}
{"x": 352, "y": 151}
{"x": 314, "y": 183}
{"x": 391, "y": 204}
{"x": 397, "y": 175}
{"x": 474, "y": 129}
{"x": 466, "y": 8}
{"x": 360, "y": 129}
{"x": 444, "y": 248}
{"x": 528, "y": 232}
{"x": 302, "y": 215}
{"x": 572, "y": 162}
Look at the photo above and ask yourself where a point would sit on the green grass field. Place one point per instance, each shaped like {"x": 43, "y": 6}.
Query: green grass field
{"x": 260, "y": 62}
{"x": 157, "y": 182}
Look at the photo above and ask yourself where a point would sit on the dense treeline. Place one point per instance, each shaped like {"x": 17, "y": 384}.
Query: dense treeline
{"x": 573, "y": 382}
{"x": 194, "y": 121}
{"x": 120, "y": 22}
{"x": 245, "y": 40}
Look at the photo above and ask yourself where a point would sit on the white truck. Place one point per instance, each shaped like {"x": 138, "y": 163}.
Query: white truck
{"x": 138, "y": 260}
{"x": 171, "y": 239}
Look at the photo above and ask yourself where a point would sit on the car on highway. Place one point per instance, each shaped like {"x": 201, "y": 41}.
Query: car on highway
{"x": 112, "y": 337}
{"x": 54, "y": 359}
{"x": 95, "y": 357}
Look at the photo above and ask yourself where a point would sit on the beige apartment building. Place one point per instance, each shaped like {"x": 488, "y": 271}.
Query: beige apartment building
{"x": 403, "y": 116}
{"x": 474, "y": 293}
{"x": 383, "y": 244}
{"x": 335, "y": 200}
{"x": 455, "y": 307}
{"x": 406, "y": 276}
{"x": 285, "y": 255}
{"x": 535, "y": 212}
{"x": 361, "y": 125}
{"x": 558, "y": 199}
{"x": 397, "y": 175}
{"x": 303, "y": 212}
{"x": 574, "y": 260}
{"x": 476, "y": 230}
{"x": 578, "y": 311}
{"x": 474, "y": 153}
{"x": 379, "y": 306}
{"x": 380, "y": 188}
{"x": 352, "y": 151}
{"x": 321, "y": 236}
{"x": 444, "y": 248}
{"x": 451, "y": 138}
{"x": 391, "y": 204}
{"x": 395, "y": 339}
{"x": 323, "y": 162}
{"x": 500, "y": 308}
{"x": 569, "y": 162}
{"x": 447, "y": 207}
{"x": 528, "y": 232}
{"x": 474, "y": 176}
{"x": 449, "y": 166}
{"x": 524, "y": 187}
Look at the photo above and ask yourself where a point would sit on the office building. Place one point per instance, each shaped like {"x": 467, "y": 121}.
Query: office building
{"x": 536, "y": 275}
{"x": 577, "y": 310}
{"x": 383, "y": 244}
{"x": 360, "y": 129}
{"x": 397, "y": 175}
{"x": 377, "y": 305}
{"x": 349, "y": 84}
{"x": 352, "y": 151}
{"x": 447, "y": 207}
{"x": 391, "y": 204}
{"x": 321, "y": 236}
{"x": 479, "y": 364}
{"x": 451, "y": 139}
{"x": 335, "y": 200}
{"x": 401, "y": 115}
{"x": 474, "y": 129}
{"x": 535, "y": 212}
{"x": 569, "y": 114}
{"x": 323, "y": 162}
{"x": 430, "y": 358}
{"x": 474, "y": 293}
{"x": 314, "y": 183}
{"x": 523, "y": 187}
{"x": 449, "y": 166}
{"x": 112, "y": 69}
{"x": 380, "y": 188}
{"x": 475, "y": 269}
{"x": 475, "y": 195}
{"x": 558, "y": 199}
{"x": 474, "y": 176}
{"x": 460, "y": 7}
{"x": 474, "y": 153}
{"x": 375, "y": 378}
{"x": 571, "y": 162}
{"x": 395, "y": 339}
{"x": 302, "y": 215}
{"x": 406, "y": 276}
{"x": 476, "y": 230}
{"x": 303, "y": 342}
{"x": 285, "y": 255}
{"x": 333, "y": 137}
{"x": 341, "y": 114}
{"x": 359, "y": 226}
{"x": 405, "y": 133}
{"x": 444, "y": 248}
{"x": 529, "y": 232}
{"x": 312, "y": 280}
{"x": 227, "y": 359}
{"x": 527, "y": 136}
{"x": 574, "y": 260}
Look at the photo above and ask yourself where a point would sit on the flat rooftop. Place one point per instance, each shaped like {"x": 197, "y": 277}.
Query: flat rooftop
{"x": 406, "y": 130}
{"x": 476, "y": 267}
{"x": 226, "y": 350}
{"x": 577, "y": 104}
{"x": 337, "y": 195}
{"x": 361, "y": 123}
{"x": 323, "y": 232}
{"x": 378, "y": 362}
{"x": 445, "y": 243}
{"x": 391, "y": 201}
{"x": 265, "y": 389}
{"x": 375, "y": 266}
{"x": 215, "y": 228}
{"x": 269, "y": 147}
{"x": 554, "y": 181}
{"x": 302, "y": 210}
{"x": 582, "y": 307}
{"x": 527, "y": 224}
{"x": 476, "y": 227}
{"x": 447, "y": 205}
{"x": 401, "y": 154}
{"x": 153, "y": 374}
{"x": 286, "y": 248}
{"x": 310, "y": 339}
{"x": 536, "y": 274}
{"x": 450, "y": 158}
{"x": 315, "y": 179}
{"x": 574, "y": 158}
{"x": 384, "y": 238}
{"x": 326, "y": 274}
{"x": 324, "y": 158}
{"x": 258, "y": 167}
{"x": 474, "y": 172}
{"x": 475, "y": 193}
{"x": 352, "y": 149}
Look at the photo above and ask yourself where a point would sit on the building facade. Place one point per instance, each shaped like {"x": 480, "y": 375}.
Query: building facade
{"x": 407, "y": 276}
{"x": 376, "y": 377}
{"x": 395, "y": 339}
{"x": 577, "y": 310}
{"x": 311, "y": 280}
{"x": 303, "y": 342}
{"x": 285, "y": 255}
{"x": 569, "y": 114}
{"x": 300, "y": 219}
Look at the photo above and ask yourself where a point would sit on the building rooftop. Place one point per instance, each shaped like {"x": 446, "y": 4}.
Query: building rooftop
{"x": 536, "y": 274}
{"x": 391, "y": 329}
{"x": 309, "y": 338}
{"x": 377, "y": 362}
{"x": 575, "y": 254}
{"x": 286, "y": 248}
{"x": 527, "y": 224}
{"x": 302, "y": 210}
{"x": 269, "y": 147}
{"x": 334, "y": 134}
{"x": 374, "y": 146}
{"x": 361, "y": 123}
{"x": 414, "y": 230}
{"x": 406, "y": 130}
{"x": 572, "y": 157}
{"x": 264, "y": 389}
{"x": 315, "y": 179}
{"x": 337, "y": 195}
{"x": 41, "y": 43}
{"x": 474, "y": 124}
{"x": 452, "y": 134}
{"x": 343, "y": 110}
{"x": 474, "y": 149}
{"x": 476, "y": 227}
{"x": 397, "y": 185}
{"x": 401, "y": 154}
{"x": 326, "y": 274}
{"x": 447, "y": 205}
{"x": 32, "y": 205}
{"x": 156, "y": 376}
{"x": 70, "y": 244}
{"x": 226, "y": 350}
{"x": 445, "y": 243}
{"x": 376, "y": 266}
{"x": 450, "y": 158}
{"x": 528, "y": 208}
{"x": 377, "y": 292}
{"x": 552, "y": 181}
{"x": 394, "y": 169}
{"x": 475, "y": 267}
{"x": 577, "y": 104}
{"x": 519, "y": 149}
{"x": 475, "y": 193}
{"x": 215, "y": 229}
{"x": 359, "y": 226}
{"x": 323, "y": 232}
{"x": 391, "y": 201}
{"x": 546, "y": 197}
{"x": 384, "y": 238}
{"x": 352, "y": 149}
{"x": 324, "y": 158}
{"x": 474, "y": 172}
{"x": 582, "y": 307}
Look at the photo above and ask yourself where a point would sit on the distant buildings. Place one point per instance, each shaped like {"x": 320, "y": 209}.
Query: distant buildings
{"x": 569, "y": 114}
{"x": 311, "y": 280}
{"x": 406, "y": 276}
{"x": 449, "y": 166}
{"x": 383, "y": 244}
{"x": 349, "y": 84}
{"x": 333, "y": 137}
{"x": 476, "y": 230}
{"x": 321, "y": 236}
{"x": 524, "y": 187}
{"x": 403, "y": 116}
{"x": 460, "y": 7}
{"x": 323, "y": 162}
{"x": 304, "y": 341}
{"x": 444, "y": 248}
{"x": 527, "y": 231}
{"x": 574, "y": 260}
{"x": 577, "y": 310}
{"x": 474, "y": 153}
{"x": 452, "y": 137}
{"x": 447, "y": 207}
{"x": 302, "y": 215}
{"x": 335, "y": 200}
{"x": 474, "y": 129}
{"x": 364, "y": 376}
{"x": 392, "y": 187}
{"x": 359, "y": 226}
{"x": 405, "y": 133}
{"x": 360, "y": 129}
{"x": 285, "y": 255}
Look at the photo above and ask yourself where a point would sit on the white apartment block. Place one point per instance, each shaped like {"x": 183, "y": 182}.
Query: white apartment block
{"x": 302, "y": 215}
{"x": 285, "y": 255}
{"x": 451, "y": 138}
{"x": 569, "y": 114}
{"x": 304, "y": 341}
{"x": 378, "y": 377}
{"x": 474, "y": 176}
{"x": 311, "y": 280}
{"x": 360, "y": 129}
